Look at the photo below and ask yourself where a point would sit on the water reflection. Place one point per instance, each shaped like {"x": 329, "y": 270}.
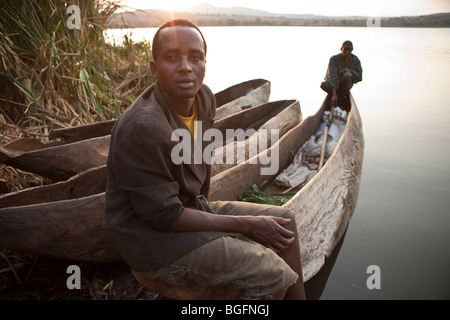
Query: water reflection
{"x": 315, "y": 286}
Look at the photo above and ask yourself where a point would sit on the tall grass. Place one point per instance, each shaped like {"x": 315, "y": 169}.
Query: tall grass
{"x": 53, "y": 76}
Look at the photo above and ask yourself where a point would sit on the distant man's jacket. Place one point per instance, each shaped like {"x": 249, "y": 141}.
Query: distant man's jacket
{"x": 336, "y": 63}
{"x": 146, "y": 191}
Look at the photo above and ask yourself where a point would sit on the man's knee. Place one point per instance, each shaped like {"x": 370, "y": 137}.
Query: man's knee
{"x": 289, "y": 215}
{"x": 347, "y": 75}
{"x": 346, "y": 82}
{"x": 325, "y": 86}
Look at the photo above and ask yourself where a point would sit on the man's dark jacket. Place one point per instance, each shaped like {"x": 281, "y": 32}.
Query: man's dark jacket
{"x": 146, "y": 191}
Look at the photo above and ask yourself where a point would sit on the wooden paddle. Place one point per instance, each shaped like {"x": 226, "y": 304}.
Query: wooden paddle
{"x": 324, "y": 140}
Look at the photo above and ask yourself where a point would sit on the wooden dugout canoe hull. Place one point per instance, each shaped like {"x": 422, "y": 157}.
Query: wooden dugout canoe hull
{"x": 93, "y": 180}
{"x": 281, "y": 115}
{"x": 70, "y": 229}
{"x": 66, "y": 219}
{"x": 75, "y": 229}
{"x": 323, "y": 207}
{"x": 61, "y": 162}
{"x": 230, "y": 100}
{"x": 242, "y": 96}
{"x": 74, "y": 150}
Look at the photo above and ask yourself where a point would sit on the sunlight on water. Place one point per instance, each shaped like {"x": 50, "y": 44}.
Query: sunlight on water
{"x": 401, "y": 221}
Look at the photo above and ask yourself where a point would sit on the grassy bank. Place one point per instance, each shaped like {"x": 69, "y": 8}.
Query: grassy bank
{"x": 55, "y": 75}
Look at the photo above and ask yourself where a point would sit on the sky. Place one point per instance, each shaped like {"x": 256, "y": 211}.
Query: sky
{"x": 373, "y": 8}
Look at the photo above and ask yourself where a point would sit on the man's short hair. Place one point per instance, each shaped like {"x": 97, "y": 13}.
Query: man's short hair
{"x": 347, "y": 44}
{"x": 173, "y": 23}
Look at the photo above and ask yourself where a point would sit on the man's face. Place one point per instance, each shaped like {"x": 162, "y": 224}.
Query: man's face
{"x": 347, "y": 52}
{"x": 179, "y": 64}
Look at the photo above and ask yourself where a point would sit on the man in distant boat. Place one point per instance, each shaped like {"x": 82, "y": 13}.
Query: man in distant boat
{"x": 157, "y": 210}
{"x": 344, "y": 70}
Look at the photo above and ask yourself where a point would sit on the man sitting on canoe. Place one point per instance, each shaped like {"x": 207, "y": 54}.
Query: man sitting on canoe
{"x": 344, "y": 70}
{"x": 163, "y": 226}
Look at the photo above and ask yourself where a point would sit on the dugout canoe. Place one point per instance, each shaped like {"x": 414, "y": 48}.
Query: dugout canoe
{"x": 324, "y": 206}
{"x": 66, "y": 219}
{"x": 283, "y": 114}
{"x": 75, "y": 229}
{"x": 74, "y": 150}
{"x": 231, "y": 100}
{"x": 242, "y": 96}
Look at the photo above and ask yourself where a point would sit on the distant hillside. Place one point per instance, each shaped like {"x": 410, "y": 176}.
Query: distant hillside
{"x": 208, "y": 15}
{"x": 207, "y": 8}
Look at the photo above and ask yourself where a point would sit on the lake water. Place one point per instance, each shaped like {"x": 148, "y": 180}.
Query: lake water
{"x": 402, "y": 219}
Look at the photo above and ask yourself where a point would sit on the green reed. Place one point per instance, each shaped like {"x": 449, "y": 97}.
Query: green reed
{"x": 53, "y": 76}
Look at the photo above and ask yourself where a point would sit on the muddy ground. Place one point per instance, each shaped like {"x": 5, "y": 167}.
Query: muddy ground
{"x": 26, "y": 277}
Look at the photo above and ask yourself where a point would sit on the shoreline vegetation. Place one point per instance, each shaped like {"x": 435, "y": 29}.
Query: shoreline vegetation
{"x": 153, "y": 18}
{"x": 56, "y": 76}
{"x": 53, "y": 76}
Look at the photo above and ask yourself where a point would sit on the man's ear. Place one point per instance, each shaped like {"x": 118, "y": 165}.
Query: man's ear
{"x": 153, "y": 69}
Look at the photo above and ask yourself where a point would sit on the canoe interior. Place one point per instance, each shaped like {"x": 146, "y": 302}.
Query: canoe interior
{"x": 233, "y": 183}
{"x": 323, "y": 207}
{"x": 238, "y": 90}
{"x": 253, "y": 118}
{"x": 89, "y": 182}
{"x": 82, "y": 132}
{"x": 281, "y": 116}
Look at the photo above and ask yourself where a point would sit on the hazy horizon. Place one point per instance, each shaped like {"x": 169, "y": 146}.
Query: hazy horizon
{"x": 319, "y": 7}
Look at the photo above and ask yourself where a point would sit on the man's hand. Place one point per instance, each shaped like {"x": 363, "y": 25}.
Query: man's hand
{"x": 269, "y": 231}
